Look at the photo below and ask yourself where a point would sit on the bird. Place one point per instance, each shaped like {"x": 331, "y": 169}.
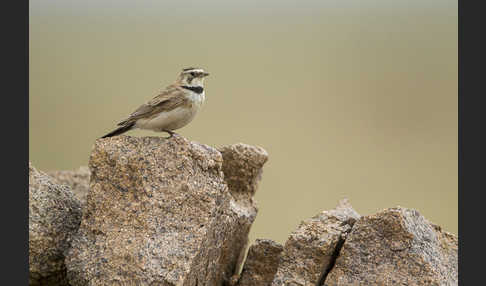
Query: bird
{"x": 171, "y": 109}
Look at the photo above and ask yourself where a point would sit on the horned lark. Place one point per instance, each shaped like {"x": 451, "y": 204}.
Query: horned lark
{"x": 172, "y": 109}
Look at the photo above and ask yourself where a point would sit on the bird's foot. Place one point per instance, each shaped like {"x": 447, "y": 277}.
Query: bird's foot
{"x": 171, "y": 134}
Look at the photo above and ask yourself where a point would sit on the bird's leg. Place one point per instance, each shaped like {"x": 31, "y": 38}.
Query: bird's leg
{"x": 171, "y": 133}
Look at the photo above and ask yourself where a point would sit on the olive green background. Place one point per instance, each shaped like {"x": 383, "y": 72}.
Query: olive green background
{"x": 354, "y": 99}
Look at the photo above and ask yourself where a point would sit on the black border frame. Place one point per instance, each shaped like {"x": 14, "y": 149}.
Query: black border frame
{"x": 15, "y": 22}
{"x": 15, "y": 118}
{"x": 471, "y": 143}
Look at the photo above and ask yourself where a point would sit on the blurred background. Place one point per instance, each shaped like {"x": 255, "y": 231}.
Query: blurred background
{"x": 351, "y": 99}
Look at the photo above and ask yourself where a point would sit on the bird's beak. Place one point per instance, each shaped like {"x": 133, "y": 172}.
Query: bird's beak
{"x": 205, "y": 74}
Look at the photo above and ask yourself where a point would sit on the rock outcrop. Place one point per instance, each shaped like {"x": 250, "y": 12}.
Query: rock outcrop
{"x": 396, "y": 246}
{"x": 310, "y": 250}
{"x": 159, "y": 212}
{"x": 242, "y": 168}
{"x": 54, "y": 215}
{"x": 78, "y": 180}
{"x": 261, "y": 263}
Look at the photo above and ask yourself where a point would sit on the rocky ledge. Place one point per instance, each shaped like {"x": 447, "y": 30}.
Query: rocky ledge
{"x": 156, "y": 211}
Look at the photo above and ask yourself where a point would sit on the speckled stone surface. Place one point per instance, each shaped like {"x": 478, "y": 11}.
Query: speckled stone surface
{"x": 310, "y": 250}
{"x": 54, "y": 215}
{"x": 396, "y": 246}
{"x": 242, "y": 168}
{"x": 261, "y": 263}
{"x": 158, "y": 212}
{"x": 78, "y": 180}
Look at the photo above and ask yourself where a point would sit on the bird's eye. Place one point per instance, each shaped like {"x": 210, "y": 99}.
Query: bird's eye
{"x": 193, "y": 74}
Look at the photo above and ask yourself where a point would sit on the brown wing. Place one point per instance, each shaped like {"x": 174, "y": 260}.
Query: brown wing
{"x": 169, "y": 99}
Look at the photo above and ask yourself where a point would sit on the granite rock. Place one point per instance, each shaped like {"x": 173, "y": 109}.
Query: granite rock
{"x": 54, "y": 216}
{"x": 242, "y": 167}
{"x": 261, "y": 263}
{"x": 310, "y": 251}
{"x": 159, "y": 212}
{"x": 78, "y": 180}
{"x": 167, "y": 211}
{"x": 396, "y": 246}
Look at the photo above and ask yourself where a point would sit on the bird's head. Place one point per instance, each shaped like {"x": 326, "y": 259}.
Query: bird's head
{"x": 192, "y": 77}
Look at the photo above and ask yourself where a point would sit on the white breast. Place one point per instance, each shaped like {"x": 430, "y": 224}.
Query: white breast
{"x": 176, "y": 118}
{"x": 198, "y": 99}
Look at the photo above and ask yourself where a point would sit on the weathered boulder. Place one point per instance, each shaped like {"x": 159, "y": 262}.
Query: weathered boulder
{"x": 261, "y": 263}
{"x": 54, "y": 215}
{"x": 163, "y": 211}
{"x": 242, "y": 168}
{"x": 159, "y": 212}
{"x": 396, "y": 246}
{"x": 310, "y": 251}
{"x": 78, "y": 180}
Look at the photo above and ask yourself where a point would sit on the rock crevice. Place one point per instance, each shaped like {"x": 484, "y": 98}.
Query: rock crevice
{"x": 310, "y": 249}
{"x": 332, "y": 262}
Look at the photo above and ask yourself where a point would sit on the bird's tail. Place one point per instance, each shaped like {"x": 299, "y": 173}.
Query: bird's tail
{"x": 120, "y": 130}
